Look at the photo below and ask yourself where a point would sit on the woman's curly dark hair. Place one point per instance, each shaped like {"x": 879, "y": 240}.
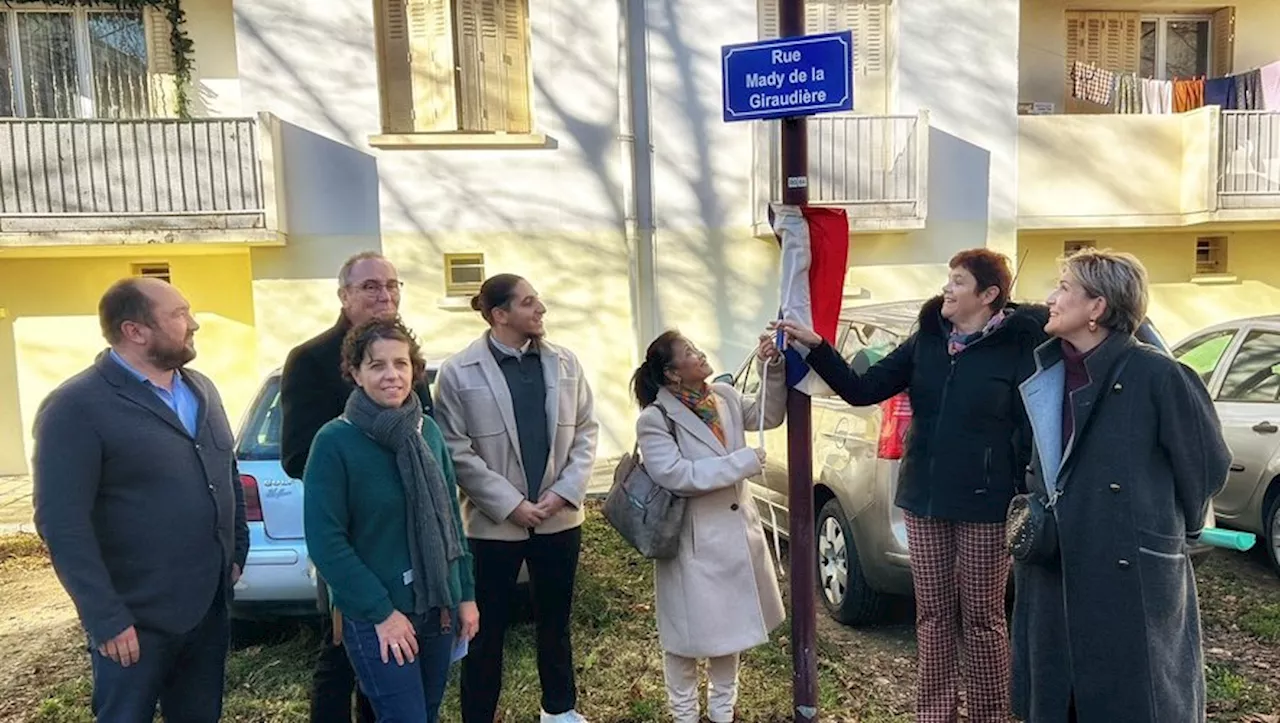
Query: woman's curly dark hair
{"x": 355, "y": 346}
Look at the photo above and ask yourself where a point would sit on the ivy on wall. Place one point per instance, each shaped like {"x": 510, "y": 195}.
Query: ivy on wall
{"x": 179, "y": 42}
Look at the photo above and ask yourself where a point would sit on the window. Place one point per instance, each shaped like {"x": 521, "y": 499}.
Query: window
{"x": 463, "y": 274}
{"x": 84, "y": 63}
{"x": 1074, "y": 247}
{"x": 869, "y": 21}
{"x": 1211, "y": 255}
{"x": 1254, "y": 375}
{"x": 1204, "y": 353}
{"x": 1155, "y": 46}
{"x": 454, "y": 65}
{"x": 153, "y": 271}
{"x": 864, "y": 345}
{"x": 1175, "y": 46}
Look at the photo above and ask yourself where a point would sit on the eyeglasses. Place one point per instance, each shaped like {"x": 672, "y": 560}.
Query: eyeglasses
{"x": 371, "y": 287}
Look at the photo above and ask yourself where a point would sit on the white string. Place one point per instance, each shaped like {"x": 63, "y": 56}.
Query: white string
{"x": 773, "y": 509}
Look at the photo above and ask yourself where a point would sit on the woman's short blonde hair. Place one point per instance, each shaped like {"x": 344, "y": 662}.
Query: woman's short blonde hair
{"x": 1119, "y": 278}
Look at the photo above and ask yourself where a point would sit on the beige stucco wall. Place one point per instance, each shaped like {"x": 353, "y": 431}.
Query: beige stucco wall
{"x": 1178, "y": 306}
{"x": 50, "y": 327}
{"x": 215, "y": 79}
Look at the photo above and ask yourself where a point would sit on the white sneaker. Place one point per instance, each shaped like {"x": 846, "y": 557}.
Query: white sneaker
{"x": 571, "y": 716}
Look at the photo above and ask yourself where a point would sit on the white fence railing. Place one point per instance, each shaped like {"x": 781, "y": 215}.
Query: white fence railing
{"x": 160, "y": 167}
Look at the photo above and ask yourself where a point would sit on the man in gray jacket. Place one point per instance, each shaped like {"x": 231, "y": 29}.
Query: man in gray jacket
{"x": 138, "y": 498}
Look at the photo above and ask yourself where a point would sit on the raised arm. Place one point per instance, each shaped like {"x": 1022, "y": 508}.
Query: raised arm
{"x": 668, "y": 466}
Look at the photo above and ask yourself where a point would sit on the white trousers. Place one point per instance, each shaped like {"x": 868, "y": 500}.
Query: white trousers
{"x": 682, "y": 688}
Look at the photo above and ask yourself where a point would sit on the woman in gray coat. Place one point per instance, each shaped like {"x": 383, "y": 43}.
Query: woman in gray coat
{"x": 1127, "y": 441}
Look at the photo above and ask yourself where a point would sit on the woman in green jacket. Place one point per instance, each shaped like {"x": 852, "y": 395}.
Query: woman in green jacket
{"x": 384, "y": 529}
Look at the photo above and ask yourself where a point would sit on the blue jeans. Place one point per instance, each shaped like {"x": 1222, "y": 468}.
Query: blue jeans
{"x": 409, "y": 693}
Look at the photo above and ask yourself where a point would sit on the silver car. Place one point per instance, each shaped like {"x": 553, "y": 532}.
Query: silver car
{"x": 1239, "y": 362}
{"x": 861, "y": 536}
{"x": 278, "y": 577}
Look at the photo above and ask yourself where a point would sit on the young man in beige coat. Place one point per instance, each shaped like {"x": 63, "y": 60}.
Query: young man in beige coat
{"x": 519, "y": 420}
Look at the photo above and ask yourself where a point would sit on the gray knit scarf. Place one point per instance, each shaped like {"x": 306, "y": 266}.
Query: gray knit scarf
{"x": 433, "y": 534}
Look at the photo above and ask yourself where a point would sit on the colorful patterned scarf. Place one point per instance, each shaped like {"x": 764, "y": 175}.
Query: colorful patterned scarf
{"x": 702, "y": 403}
{"x": 958, "y": 340}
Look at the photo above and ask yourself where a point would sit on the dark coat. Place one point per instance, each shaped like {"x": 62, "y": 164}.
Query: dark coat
{"x": 969, "y": 440}
{"x": 314, "y": 391}
{"x": 1145, "y": 459}
{"x": 143, "y": 521}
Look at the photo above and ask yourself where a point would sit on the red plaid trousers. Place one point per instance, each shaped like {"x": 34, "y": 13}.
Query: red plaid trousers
{"x": 960, "y": 571}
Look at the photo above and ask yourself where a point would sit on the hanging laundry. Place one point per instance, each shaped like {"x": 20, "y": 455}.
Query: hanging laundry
{"x": 1128, "y": 94}
{"x": 1217, "y": 91}
{"x": 1269, "y": 79}
{"x": 1165, "y": 91}
{"x": 1091, "y": 83}
{"x": 1248, "y": 90}
{"x": 1188, "y": 95}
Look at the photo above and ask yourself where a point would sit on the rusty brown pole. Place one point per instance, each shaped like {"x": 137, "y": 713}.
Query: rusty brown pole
{"x": 804, "y": 564}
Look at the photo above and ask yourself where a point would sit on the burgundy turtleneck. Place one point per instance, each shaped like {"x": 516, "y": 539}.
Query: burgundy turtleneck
{"x": 1077, "y": 377}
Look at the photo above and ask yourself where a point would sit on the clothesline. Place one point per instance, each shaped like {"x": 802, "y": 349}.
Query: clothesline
{"x": 1125, "y": 92}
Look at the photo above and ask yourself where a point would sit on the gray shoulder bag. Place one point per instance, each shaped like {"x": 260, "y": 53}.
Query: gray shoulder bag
{"x": 646, "y": 514}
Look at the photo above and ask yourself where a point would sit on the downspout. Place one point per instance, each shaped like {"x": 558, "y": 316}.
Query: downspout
{"x": 636, "y": 141}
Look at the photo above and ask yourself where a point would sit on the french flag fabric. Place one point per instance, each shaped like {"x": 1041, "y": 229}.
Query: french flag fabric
{"x": 815, "y": 254}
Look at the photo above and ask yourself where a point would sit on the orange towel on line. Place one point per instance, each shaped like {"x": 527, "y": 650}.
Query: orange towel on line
{"x": 1188, "y": 95}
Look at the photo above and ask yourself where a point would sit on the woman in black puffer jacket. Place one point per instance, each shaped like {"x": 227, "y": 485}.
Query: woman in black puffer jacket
{"x": 968, "y": 444}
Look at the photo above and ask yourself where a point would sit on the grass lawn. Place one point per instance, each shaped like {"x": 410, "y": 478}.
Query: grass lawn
{"x": 866, "y": 675}
{"x": 616, "y": 650}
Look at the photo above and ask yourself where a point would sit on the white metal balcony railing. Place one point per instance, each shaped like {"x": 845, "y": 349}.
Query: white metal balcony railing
{"x": 131, "y": 168}
{"x": 1249, "y": 159}
{"x": 859, "y": 161}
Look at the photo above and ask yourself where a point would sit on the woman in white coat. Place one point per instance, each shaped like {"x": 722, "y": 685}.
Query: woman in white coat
{"x": 719, "y": 596}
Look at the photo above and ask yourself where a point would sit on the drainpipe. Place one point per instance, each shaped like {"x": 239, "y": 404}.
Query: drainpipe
{"x": 636, "y": 142}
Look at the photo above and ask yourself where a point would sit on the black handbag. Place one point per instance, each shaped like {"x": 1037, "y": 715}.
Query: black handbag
{"x": 1031, "y": 530}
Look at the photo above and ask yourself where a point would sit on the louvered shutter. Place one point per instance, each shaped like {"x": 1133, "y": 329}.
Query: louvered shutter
{"x": 435, "y": 107}
{"x": 494, "y": 58}
{"x": 770, "y": 26}
{"x": 162, "y": 76}
{"x": 515, "y": 61}
{"x": 415, "y": 66}
{"x": 1110, "y": 40}
{"x": 1224, "y": 41}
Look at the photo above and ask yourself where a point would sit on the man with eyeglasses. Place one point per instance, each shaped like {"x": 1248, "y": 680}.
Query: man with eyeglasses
{"x": 313, "y": 391}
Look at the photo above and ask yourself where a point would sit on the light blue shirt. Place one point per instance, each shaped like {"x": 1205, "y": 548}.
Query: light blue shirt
{"x": 181, "y": 400}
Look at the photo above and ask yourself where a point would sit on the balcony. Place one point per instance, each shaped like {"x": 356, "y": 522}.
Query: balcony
{"x": 1249, "y": 163}
{"x": 87, "y": 182}
{"x": 874, "y": 167}
{"x": 1146, "y": 171}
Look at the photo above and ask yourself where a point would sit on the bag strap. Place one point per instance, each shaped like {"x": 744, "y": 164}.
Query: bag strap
{"x": 671, "y": 427}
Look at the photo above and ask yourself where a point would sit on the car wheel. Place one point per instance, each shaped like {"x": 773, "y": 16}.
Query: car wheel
{"x": 1271, "y": 523}
{"x": 841, "y": 585}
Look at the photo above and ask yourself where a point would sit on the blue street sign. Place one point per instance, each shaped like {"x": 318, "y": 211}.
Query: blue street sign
{"x": 788, "y": 77}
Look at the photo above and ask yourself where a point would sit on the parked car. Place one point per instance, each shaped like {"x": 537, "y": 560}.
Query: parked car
{"x": 1239, "y": 362}
{"x": 861, "y": 536}
{"x": 278, "y": 578}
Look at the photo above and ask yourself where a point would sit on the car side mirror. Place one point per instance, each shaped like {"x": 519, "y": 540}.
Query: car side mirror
{"x": 724, "y": 379}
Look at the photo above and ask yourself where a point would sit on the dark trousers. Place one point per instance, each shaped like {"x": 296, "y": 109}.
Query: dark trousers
{"x": 553, "y": 565}
{"x": 333, "y": 681}
{"x": 182, "y": 673}
{"x": 409, "y": 693}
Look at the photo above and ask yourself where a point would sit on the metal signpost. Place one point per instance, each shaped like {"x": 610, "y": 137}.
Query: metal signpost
{"x": 787, "y": 79}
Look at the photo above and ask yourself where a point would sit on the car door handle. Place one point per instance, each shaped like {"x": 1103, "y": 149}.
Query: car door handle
{"x": 1265, "y": 428}
{"x": 1237, "y": 468}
